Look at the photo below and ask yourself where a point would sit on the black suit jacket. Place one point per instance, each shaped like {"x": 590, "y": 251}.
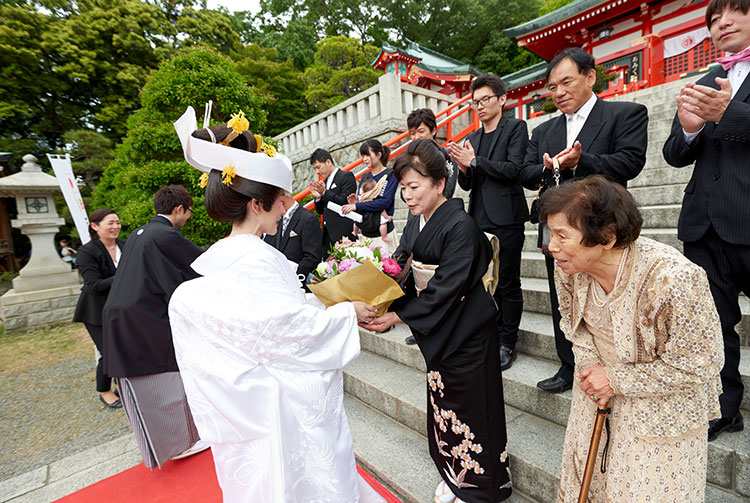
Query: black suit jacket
{"x": 613, "y": 143}
{"x": 334, "y": 225}
{"x": 503, "y": 197}
{"x": 302, "y": 242}
{"x": 718, "y": 193}
{"x": 98, "y": 271}
{"x": 137, "y": 335}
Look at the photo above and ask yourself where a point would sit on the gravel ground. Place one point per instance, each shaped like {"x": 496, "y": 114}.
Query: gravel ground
{"x": 52, "y": 412}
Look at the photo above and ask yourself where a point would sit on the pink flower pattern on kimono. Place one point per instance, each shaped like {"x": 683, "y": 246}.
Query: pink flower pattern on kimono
{"x": 460, "y": 453}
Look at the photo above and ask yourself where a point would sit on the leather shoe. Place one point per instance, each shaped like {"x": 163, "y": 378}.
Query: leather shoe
{"x": 114, "y": 405}
{"x": 410, "y": 340}
{"x": 507, "y": 357}
{"x": 554, "y": 384}
{"x": 718, "y": 426}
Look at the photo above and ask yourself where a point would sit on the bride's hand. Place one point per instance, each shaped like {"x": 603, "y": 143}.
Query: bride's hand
{"x": 383, "y": 323}
{"x": 365, "y": 312}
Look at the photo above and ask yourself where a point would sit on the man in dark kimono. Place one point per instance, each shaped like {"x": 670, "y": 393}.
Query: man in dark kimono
{"x": 335, "y": 186}
{"x": 137, "y": 344}
{"x": 298, "y": 237}
{"x": 489, "y": 166}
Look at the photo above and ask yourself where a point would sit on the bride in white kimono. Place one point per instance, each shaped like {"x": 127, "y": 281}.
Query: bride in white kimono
{"x": 261, "y": 361}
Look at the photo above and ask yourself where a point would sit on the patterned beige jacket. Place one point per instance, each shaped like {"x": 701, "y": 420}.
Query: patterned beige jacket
{"x": 667, "y": 338}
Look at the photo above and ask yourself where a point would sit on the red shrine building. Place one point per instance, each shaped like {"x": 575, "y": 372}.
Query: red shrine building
{"x": 644, "y": 43}
{"x": 426, "y": 68}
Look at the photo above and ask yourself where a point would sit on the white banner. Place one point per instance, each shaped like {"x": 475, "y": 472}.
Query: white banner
{"x": 683, "y": 43}
{"x": 64, "y": 172}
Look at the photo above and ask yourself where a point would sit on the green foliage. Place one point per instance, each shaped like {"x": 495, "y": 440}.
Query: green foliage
{"x": 602, "y": 77}
{"x": 502, "y": 56}
{"x": 90, "y": 153}
{"x": 279, "y": 82}
{"x": 552, "y": 5}
{"x": 150, "y": 155}
{"x": 341, "y": 69}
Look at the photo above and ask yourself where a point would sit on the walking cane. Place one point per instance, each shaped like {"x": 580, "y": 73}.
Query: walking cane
{"x": 588, "y": 473}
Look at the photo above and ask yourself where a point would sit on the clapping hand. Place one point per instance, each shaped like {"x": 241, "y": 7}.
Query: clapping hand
{"x": 352, "y": 199}
{"x": 462, "y": 155}
{"x": 317, "y": 188}
{"x": 595, "y": 383}
{"x": 698, "y": 104}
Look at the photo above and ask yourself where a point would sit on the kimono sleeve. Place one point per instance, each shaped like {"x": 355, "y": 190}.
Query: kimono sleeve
{"x": 460, "y": 255}
{"x": 584, "y": 349}
{"x": 689, "y": 342}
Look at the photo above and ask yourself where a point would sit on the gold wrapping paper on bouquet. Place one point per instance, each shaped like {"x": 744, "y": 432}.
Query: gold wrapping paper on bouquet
{"x": 364, "y": 283}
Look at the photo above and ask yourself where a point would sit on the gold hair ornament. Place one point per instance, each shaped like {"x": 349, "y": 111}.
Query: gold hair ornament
{"x": 227, "y": 175}
{"x": 203, "y": 181}
{"x": 239, "y": 124}
{"x": 264, "y": 147}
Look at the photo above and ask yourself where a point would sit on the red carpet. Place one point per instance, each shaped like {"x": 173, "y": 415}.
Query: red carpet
{"x": 189, "y": 479}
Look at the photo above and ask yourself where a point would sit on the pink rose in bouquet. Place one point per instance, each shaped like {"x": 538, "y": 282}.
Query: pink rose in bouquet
{"x": 348, "y": 263}
{"x": 391, "y": 267}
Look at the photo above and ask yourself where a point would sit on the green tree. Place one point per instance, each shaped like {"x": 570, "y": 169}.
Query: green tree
{"x": 341, "y": 69}
{"x": 90, "y": 153}
{"x": 552, "y": 5}
{"x": 150, "y": 155}
{"x": 279, "y": 82}
{"x": 208, "y": 27}
{"x": 502, "y": 56}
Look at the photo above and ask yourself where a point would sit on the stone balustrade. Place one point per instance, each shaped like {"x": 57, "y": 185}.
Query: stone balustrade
{"x": 378, "y": 112}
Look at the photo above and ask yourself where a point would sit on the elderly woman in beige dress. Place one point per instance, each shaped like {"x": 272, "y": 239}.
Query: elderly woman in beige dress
{"x": 647, "y": 343}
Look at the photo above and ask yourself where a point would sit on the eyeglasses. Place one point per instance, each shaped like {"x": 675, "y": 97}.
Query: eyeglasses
{"x": 484, "y": 101}
{"x": 191, "y": 211}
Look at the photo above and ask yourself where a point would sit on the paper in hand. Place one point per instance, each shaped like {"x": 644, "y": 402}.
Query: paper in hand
{"x": 352, "y": 215}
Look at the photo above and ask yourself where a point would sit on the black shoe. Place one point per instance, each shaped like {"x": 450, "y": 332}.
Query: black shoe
{"x": 114, "y": 405}
{"x": 507, "y": 357}
{"x": 719, "y": 426}
{"x": 554, "y": 384}
{"x": 410, "y": 340}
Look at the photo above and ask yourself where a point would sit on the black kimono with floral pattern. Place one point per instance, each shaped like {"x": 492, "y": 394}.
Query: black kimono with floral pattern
{"x": 453, "y": 320}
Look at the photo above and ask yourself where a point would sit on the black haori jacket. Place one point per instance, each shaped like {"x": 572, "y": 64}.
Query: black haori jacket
{"x": 137, "y": 336}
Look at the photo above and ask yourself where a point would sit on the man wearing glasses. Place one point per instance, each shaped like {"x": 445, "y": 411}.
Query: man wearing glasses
{"x": 489, "y": 163}
{"x": 591, "y": 137}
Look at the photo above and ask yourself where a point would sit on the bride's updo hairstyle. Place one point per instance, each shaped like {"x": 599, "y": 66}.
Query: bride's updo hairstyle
{"x": 228, "y": 203}
{"x": 426, "y": 158}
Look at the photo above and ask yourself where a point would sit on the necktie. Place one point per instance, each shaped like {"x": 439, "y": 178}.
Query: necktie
{"x": 728, "y": 62}
{"x": 571, "y": 136}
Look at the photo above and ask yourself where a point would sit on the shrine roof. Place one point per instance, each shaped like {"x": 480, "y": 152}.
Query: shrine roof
{"x": 528, "y": 75}
{"x": 573, "y": 8}
{"x": 429, "y": 60}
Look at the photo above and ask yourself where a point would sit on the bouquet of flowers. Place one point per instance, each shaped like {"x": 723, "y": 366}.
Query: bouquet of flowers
{"x": 357, "y": 270}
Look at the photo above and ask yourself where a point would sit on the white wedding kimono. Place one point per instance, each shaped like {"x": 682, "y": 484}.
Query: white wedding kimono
{"x": 261, "y": 364}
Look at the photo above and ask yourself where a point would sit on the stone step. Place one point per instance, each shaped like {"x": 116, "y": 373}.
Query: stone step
{"x": 649, "y": 196}
{"x": 660, "y": 175}
{"x": 390, "y": 389}
{"x": 397, "y": 456}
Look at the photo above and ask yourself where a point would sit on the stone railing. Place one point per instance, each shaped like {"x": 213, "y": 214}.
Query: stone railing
{"x": 383, "y": 107}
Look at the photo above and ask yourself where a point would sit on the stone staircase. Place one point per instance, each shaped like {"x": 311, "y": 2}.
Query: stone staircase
{"x": 386, "y": 392}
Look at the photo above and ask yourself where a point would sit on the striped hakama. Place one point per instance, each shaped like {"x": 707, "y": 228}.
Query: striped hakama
{"x": 159, "y": 415}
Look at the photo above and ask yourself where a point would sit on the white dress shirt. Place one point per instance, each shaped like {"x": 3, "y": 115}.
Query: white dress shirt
{"x": 575, "y": 121}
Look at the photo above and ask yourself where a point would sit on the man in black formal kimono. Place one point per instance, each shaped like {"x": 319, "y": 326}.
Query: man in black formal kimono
{"x": 590, "y": 137}
{"x": 335, "y": 186}
{"x": 138, "y": 347}
{"x": 298, "y": 237}
{"x": 712, "y": 129}
{"x": 489, "y": 164}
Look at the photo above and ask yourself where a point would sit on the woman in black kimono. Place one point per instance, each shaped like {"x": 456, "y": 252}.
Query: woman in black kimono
{"x": 453, "y": 320}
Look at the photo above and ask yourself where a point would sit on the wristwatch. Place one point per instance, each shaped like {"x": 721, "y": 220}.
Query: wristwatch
{"x": 473, "y": 163}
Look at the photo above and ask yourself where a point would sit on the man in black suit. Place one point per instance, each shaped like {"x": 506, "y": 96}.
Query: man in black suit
{"x": 489, "y": 164}
{"x": 712, "y": 129}
{"x": 336, "y": 185}
{"x": 298, "y": 237}
{"x": 591, "y": 137}
{"x": 138, "y": 348}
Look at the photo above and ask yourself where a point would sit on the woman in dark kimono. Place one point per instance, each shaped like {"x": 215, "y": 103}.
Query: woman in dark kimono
{"x": 453, "y": 320}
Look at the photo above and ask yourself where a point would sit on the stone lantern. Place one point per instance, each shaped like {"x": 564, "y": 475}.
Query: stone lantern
{"x": 46, "y": 289}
